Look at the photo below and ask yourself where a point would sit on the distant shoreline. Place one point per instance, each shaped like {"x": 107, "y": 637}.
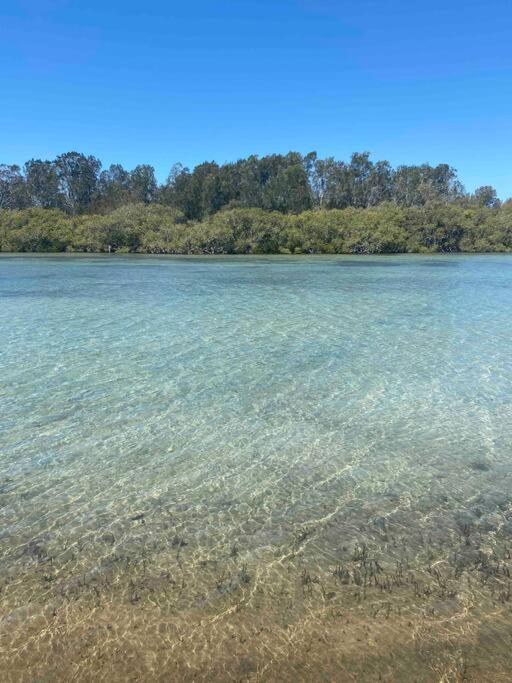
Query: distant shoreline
{"x": 160, "y": 229}
{"x": 281, "y": 255}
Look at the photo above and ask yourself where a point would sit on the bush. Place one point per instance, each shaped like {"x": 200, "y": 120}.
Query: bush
{"x": 154, "y": 228}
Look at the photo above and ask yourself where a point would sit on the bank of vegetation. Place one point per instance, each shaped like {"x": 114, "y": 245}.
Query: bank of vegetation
{"x": 275, "y": 204}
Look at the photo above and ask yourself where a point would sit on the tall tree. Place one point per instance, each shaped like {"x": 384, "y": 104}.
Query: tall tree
{"x": 113, "y": 187}
{"x": 13, "y": 191}
{"x": 485, "y": 196}
{"x": 143, "y": 185}
{"x": 288, "y": 191}
{"x": 380, "y": 184}
{"x": 359, "y": 172}
{"x": 78, "y": 179}
{"x": 418, "y": 185}
{"x": 42, "y": 182}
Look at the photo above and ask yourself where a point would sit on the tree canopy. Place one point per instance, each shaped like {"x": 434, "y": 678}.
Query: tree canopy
{"x": 289, "y": 183}
{"x": 288, "y": 203}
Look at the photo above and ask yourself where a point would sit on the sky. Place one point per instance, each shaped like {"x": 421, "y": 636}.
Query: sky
{"x": 161, "y": 82}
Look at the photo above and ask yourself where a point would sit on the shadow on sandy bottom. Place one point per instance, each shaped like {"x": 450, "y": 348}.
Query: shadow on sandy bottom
{"x": 363, "y": 619}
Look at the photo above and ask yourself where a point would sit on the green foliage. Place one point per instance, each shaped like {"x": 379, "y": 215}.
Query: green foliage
{"x": 34, "y": 230}
{"x": 160, "y": 229}
{"x": 134, "y": 227}
{"x": 485, "y": 196}
{"x": 42, "y": 184}
{"x": 243, "y": 231}
{"x": 289, "y": 183}
{"x": 279, "y": 203}
{"x": 13, "y": 193}
{"x": 78, "y": 177}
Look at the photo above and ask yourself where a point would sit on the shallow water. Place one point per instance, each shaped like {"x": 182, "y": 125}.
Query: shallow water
{"x": 269, "y": 468}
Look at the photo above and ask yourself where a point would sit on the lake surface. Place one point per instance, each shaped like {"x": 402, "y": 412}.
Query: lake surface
{"x": 275, "y": 468}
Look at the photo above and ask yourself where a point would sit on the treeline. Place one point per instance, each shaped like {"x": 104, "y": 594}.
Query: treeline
{"x": 289, "y": 203}
{"x": 156, "y": 228}
{"x": 290, "y": 183}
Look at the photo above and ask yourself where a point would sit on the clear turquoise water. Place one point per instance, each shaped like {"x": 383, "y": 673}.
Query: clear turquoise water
{"x": 182, "y": 436}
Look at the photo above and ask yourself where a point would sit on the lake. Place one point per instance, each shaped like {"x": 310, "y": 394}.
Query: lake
{"x": 256, "y": 468}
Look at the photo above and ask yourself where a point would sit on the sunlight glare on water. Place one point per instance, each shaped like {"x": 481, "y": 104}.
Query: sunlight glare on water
{"x": 255, "y": 468}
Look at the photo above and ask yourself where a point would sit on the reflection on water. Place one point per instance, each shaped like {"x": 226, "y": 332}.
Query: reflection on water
{"x": 256, "y": 468}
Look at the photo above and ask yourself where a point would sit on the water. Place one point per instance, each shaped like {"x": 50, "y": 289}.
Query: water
{"x": 256, "y": 468}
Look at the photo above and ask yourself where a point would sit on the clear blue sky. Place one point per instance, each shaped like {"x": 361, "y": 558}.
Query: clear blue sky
{"x": 161, "y": 82}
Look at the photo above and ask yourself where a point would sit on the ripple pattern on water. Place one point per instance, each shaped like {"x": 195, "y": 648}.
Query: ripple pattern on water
{"x": 256, "y": 468}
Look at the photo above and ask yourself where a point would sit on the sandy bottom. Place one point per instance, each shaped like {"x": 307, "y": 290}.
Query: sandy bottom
{"x": 166, "y": 613}
{"x": 289, "y": 469}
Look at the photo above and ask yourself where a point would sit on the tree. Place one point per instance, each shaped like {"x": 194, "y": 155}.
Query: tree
{"x": 418, "y": 185}
{"x": 42, "y": 181}
{"x": 13, "y": 191}
{"x": 338, "y": 184}
{"x": 78, "y": 179}
{"x": 113, "y": 187}
{"x": 485, "y": 196}
{"x": 199, "y": 193}
{"x": 380, "y": 184}
{"x": 143, "y": 185}
{"x": 288, "y": 191}
{"x": 289, "y": 183}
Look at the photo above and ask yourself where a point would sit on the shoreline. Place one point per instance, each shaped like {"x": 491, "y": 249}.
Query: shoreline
{"x": 272, "y": 255}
